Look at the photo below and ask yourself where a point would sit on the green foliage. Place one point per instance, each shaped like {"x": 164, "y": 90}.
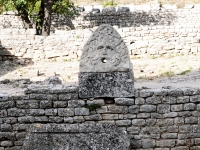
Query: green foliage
{"x": 92, "y": 107}
{"x": 109, "y": 3}
{"x": 6, "y": 5}
{"x": 184, "y": 72}
{"x": 65, "y": 7}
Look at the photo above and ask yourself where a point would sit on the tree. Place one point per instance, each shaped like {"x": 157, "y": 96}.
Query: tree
{"x": 46, "y": 7}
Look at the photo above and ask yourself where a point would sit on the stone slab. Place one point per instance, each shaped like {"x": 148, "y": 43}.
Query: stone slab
{"x": 108, "y": 84}
{"x": 76, "y": 137}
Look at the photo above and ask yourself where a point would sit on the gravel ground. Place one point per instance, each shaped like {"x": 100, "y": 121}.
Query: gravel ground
{"x": 150, "y": 72}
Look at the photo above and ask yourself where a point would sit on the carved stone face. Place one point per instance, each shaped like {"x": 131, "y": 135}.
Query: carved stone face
{"x": 105, "y": 56}
{"x": 105, "y": 51}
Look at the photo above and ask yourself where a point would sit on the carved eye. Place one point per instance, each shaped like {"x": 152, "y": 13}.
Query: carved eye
{"x": 100, "y": 47}
{"x": 109, "y": 47}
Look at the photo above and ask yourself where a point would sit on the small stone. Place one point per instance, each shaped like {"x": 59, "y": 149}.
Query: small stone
{"x": 189, "y": 106}
{"x": 147, "y": 108}
{"x": 6, "y": 143}
{"x": 123, "y": 122}
{"x": 124, "y": 101}
{"x": 81, "y": 111}
{"x": 52, "y": 80}
{"x": 68, "y": 112}
{"x": 147, "y": 143}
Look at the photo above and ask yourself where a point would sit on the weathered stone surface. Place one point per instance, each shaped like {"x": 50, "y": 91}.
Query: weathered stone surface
{"x": 52, "y": 80}
{"x": 105, "y": 67}
{"x": 110, "y": 84}
{"x": 73, "y": 137}
{"x": 124, "y": 101}
{"x": 105, "y": 51}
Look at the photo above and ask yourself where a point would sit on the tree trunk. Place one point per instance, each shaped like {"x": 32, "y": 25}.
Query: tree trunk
{"x": 26, "y": 20}
{"x": 40, "y": 19}
{"x": 47, "y": 17}
{"x": 24, "y": 15}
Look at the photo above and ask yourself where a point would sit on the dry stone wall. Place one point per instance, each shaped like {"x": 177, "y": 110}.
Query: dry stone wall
{"x": 153, "y": 31}
{"x": 154, "y": 119}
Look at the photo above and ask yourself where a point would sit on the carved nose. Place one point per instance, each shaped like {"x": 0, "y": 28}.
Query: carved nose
{"x": 104, "y": 51}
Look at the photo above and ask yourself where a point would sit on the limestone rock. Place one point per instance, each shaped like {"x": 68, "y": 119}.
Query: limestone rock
{"x": 105, "y": 66}
{"x": 52, "y": 80}
{"x": 76, "y": 137}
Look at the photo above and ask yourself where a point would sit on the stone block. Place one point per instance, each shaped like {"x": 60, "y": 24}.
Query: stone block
{"x": 135, "y": 143}
{"x": 147, "y": 108}
{"x": 78, "y": 119}
{"x": 110, "y": 116}
{"x": 41, "y": 119}
{"x": 195, "y": 98}
{"x": 20, "y": 135}
{"x": 154, "y": 100}
{"x": 6, "y": 128}
{"x": 189, "y": 106}
{"x": 165, "y": 143}
{"x": 170, "y": 115}
{"x": 111, "y": 84}
{"x": 133, "y": 109}
{"x": 139, "y": 101}
{"x": 124, "y": 101}
{"x": 7, "y": 104}
{"x": 100, "y": 102}
{"x": 45, "y": 104}
{"x": 117, "y": 109}
{"x": 163, "y": 108}
{"x": 68, "y": 119}
{"x": 55, "y": 119}
{"x": 14, "y": 112}
{"x": 63, "y": 136}
{"x": 6, "y": 143}
{"x": 185, "y": 128}
{"x": 3, "y": 113}
{"x": 148, "y": 143}
{"x": 7, "y": 136}
{"x": 183, "y": 99}
{"x": 169, "y": 135}
{"x": 81, "y": 111}
{"x": 191, "y": 120}
{"x": 169, "y": 100}
{"x": 138, "y": 122}
{"x": 196, "y": 128}
{"x": 143, "y": 115}
{"x": 26, "y": 119}
{"x": 146, "y": 93}
{"x": 60, "y": 104}
{"x": 190, "y": 91}
{"x": 102, "y": 110}
{"x": 51, "y": 112}
{"x": 177, "y": 107}
{"x": 179, "y": 121}
{"x": 35, "y": 112}
{"x": 123, "y": 122}
{"x": 68, "y": 112}
{"x": 76, "y": 103}
{"x": 180, "y": 148}
{"x": 93, "y": 117}
{"x": 25, "y": 104}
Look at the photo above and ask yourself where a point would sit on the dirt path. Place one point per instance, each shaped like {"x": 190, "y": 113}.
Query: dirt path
{"x": 151, "y": 72}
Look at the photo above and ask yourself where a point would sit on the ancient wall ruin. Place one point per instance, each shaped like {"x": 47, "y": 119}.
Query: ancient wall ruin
{"x": 147, "y": 35}
{"x": 166, "y": 119}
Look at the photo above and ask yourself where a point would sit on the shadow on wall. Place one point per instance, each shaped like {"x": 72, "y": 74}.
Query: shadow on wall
{"x": 8, "y": 61}
{"x": 132, "y": 19}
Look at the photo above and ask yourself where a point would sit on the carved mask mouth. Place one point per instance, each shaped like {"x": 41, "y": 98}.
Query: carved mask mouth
{"x": 104, "y": 60}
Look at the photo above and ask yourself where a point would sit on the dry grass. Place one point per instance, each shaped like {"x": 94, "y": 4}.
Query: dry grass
{"x": 179, "y": 3}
